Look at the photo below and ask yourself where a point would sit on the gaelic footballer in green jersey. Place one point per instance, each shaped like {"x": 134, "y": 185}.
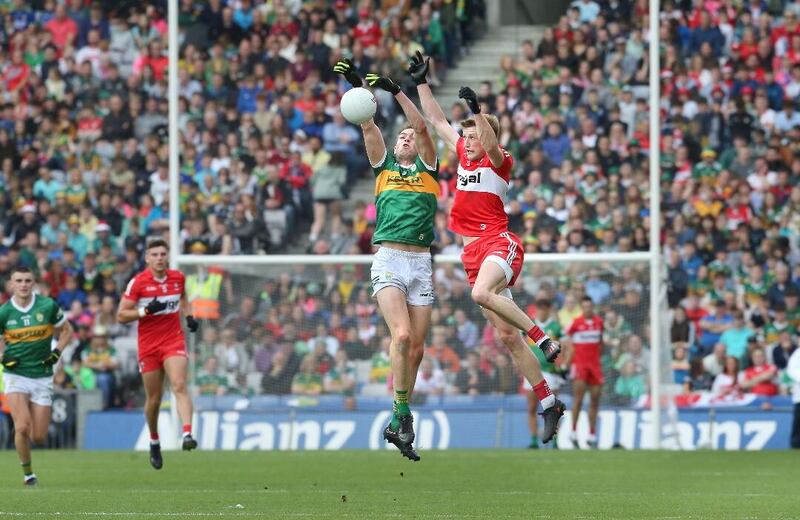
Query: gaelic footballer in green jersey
{"x": 406, "y": 192}
{"x": 28, "y": 324}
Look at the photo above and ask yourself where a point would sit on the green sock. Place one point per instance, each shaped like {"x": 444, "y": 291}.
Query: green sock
{"x": 401, "y": 398}
{"x": 26, "y": 468}
{"x": 394, "y": 425}
{"x": 534, "y": 440}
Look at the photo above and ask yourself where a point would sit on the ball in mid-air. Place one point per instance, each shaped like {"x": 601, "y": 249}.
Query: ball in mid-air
{"x": 358, "y": 105}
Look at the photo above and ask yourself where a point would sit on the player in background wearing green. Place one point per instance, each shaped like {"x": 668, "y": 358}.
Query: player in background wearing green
{"x": 550, "y": 371}
{"x": 406, "y": 191}
{"x": 28, "y": 324}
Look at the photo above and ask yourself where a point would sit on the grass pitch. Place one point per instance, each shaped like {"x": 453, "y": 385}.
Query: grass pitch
{"x": 489, "y": 484}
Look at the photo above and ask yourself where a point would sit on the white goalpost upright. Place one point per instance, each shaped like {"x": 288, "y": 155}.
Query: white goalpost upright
{"x": 655, "y": 222}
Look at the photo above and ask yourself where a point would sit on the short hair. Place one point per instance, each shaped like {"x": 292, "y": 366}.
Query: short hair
{"x": 490, "y": 118}
{"x": 21, "y": 269}
{"x": 157, "y": 242}
{"x": 587, "y": 298}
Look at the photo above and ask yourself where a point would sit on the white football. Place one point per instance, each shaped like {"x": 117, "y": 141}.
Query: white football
{"x": 358, "y": 105}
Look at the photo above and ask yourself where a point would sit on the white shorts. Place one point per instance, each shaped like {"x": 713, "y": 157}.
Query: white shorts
{"x": 40, "y": 389}
{"x": 410, "y": 272}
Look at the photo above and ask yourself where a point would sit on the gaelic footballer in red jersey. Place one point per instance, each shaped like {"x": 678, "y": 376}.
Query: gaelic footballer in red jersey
{"x": 493, "y": 256}
{"x": 156, "y": 297}
{"x": 587, "y": 341}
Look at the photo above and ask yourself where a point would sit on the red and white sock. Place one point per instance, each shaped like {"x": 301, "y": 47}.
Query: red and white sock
{"x": 537, "y": 335}
{"x": 187, "y": 429}
{"x": 154, "y": 438}
{"x": 544, "y": 394}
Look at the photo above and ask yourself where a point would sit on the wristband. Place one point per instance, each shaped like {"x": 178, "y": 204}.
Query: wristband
{"x": 142, "y": 312}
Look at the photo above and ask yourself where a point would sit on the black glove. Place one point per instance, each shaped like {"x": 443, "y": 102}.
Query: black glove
{"x": 418, "y": 68}
{"x": 155, "y": 306}
{"x": 469, "y": 95}
{"x": 9, "y": 362}
{"x": 383, "y": 82}
{"x": 192, "y": 324}
{"x": 346, "y": 68}
{"x": 52, "y": 358}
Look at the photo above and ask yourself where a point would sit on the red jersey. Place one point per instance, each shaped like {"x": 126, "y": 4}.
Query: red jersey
{"x": 162, "y": 328}
{"x": 767, "y": 387}
{"x": 587, "y": 337}
{"x": 479, "y": 205}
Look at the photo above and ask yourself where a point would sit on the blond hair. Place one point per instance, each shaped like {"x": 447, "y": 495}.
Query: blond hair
{"x": 491, "y": 119}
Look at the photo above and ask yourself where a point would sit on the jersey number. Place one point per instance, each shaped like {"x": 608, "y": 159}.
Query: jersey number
{"x": 26, "y": 321}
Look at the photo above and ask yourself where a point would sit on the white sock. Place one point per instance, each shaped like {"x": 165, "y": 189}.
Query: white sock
{"x": 548, "y": 401}
{"x": 153, "y": 443}
{"x": 545, "y": 338}
{"x": 185, "y": 434}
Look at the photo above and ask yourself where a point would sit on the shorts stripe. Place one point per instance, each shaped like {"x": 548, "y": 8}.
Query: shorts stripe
{"x": 512, "y": 248}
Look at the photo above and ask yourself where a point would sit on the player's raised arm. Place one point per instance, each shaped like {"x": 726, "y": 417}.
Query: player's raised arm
{"x": 373, "y": 139}
{"x": 418, "y": 68}
{"x": 486, "y": 135}
{"x": 422, "y": 139}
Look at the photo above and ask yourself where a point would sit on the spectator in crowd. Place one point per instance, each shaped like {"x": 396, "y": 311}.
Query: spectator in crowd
{"x": 430, "y": 380}
{"x": 726, "y": 384}
{"x": 735, "y": 338}
{"x": 307, "y": 381}
{"x": 471, "y": 379}
{"x": 759, "y": 377}
{"x": 102, "y": 360}
{"x": 210, "y": 379}
{"x": 629, "y": 384}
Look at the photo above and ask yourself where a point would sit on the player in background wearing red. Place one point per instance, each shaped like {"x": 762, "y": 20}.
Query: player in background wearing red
{"x": 156, "y": 297}
{"x": 492, "y": 256}
{"x": 587, "y": 340}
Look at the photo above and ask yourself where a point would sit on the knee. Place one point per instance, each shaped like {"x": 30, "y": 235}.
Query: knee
{"x": 401, "y": 338}
{"x": 39, "y": 439}
{"x": 179, "y": 386}
{"x": 154, "y": 400}
{"x": 415, "y": 352}
{"x": 23, "y": 428}
{"x": 511, "y": 340}
{"x": 480, "y": 296}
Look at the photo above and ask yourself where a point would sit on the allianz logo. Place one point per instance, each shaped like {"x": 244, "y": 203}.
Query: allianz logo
{"x": 232, "y": 430}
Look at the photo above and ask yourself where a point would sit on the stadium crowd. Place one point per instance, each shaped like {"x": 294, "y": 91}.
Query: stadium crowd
{"x": 82, "y": 149}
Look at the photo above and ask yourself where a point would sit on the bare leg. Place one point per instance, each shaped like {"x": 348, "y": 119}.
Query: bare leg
{"x": 526, "y": 362}
{"x": 319, "y": 220}
{"x": 420, "y": 323}
{"x": 594, "y": 405}
{"x": 20, "y": 411}
{"x": 484, "y": 293}
{"x": 392, "y": 302}
{"x": 177, "y": 368}
{"x": 533, "y": 420}
{"x": 153, "y": 390}
{"x": 336, "y": 217}
{"x": 40, "y": 416}
{"x": 578, "y": 389}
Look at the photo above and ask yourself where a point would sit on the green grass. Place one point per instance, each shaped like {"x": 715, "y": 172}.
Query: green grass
{"x": 445, "y": 484}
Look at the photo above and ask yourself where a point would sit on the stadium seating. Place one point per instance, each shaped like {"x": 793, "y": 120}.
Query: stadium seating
{"x": 83, "y": 151}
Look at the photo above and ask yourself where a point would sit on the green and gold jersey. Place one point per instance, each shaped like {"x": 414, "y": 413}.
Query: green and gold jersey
{"x": 773, "y": 330}
{"x": 552, "y": 328}
{"x": 405, "y": 199}
{"x": 28, "y": 334}
{"x": 753, "y": 292}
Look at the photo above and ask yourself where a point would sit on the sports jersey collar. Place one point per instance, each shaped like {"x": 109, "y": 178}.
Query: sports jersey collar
{"x": 24, "y": 309}
{"x": 159, "y": 280}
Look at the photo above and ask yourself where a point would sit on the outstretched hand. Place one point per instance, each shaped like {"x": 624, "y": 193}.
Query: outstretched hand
{"x": 418, "y": 68}
{"x": 346, "y": 68}
{"x": 383, "y": 82}
{"x": 471, "y": 98}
